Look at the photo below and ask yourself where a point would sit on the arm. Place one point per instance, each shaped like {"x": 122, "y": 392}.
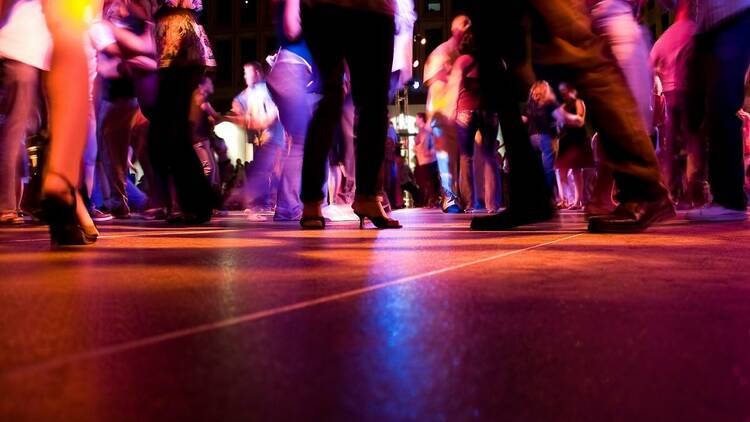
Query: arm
{"x": 292, "y": 20}
{"x": 568, "y": 119}
{"x": 132, "y": 44}
{"x": 581, "y": 111}
{"x": 209, "y": 109}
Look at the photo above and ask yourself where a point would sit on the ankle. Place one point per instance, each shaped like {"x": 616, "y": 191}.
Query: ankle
{"x": 312, "y": 209}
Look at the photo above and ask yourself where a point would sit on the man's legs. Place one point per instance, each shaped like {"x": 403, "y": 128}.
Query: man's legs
{"x": 117, "y": 121}
{"x": 467, "y": 129}
{"x": 503, "y": 55}
{"x": 730, "y": 51}
{"x": 446, "y": 135}
{"x": 20, "y": 82}
{"x": 287, "y": 83}
{"x": 260, "y": 174}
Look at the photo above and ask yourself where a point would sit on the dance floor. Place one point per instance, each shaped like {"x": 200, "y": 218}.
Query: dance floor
{"x": 251, "y": 320}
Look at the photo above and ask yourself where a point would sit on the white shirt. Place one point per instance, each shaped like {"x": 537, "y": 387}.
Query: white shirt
{"x": 24, "y": 36}
{"x": 100, "y": 36}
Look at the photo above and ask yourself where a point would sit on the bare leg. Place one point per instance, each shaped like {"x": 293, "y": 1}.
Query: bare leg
{"x": 68, "y": 90}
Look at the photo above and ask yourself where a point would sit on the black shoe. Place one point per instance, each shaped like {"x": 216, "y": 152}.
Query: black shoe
{"x": 633, "y": 217}
{"x": 512, "y": 217}
{"x": 187, "y": 219}
{"x": 60, "y": 214}
{"x": 372, "y": 210}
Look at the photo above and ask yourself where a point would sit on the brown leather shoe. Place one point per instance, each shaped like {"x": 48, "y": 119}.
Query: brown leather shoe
{"x": 633, "y": 217}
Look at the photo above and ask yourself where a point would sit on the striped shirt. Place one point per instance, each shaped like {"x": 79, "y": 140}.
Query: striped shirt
{"x": 711, "y": 13}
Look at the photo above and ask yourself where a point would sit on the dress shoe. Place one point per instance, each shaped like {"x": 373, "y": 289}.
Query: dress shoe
{"x": 633, "y": 217}
{"x": 512, "y": 217}
{"x": 595, "y": 209}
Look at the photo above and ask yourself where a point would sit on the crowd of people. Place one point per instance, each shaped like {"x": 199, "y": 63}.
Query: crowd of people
{"x": 625, "y": 133}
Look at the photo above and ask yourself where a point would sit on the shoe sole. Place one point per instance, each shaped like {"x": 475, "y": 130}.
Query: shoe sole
{"x": 634, "y": 228}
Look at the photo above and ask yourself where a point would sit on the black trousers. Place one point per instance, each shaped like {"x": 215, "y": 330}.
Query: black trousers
{"x": 364, "y": 42}
{"x": 718, "y": 69}
{"x": 513, "y": 34}
{"x": 171, "y": 146}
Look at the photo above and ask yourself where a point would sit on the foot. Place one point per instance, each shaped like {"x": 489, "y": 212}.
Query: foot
{"x": 153, "y": 214}
{"x": 576, "y": 206}
{"x": 372, "y": 209}
{"x": 594, "y": 209}
{"x": 312, "y": 216}
{"x": 716, "y": 213}
{"x": 100, "y": 216}
{"x": 512, "y": 218}
{"x": 633, "y": 217}
{"x": 10, "y": 218}
{"x": 121, "y": 212}
{"x": 450, "y": 206}
{"x": 187, "y": 219}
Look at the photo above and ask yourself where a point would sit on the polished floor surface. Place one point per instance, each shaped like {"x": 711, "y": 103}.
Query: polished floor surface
{"x": 248, "y": 320}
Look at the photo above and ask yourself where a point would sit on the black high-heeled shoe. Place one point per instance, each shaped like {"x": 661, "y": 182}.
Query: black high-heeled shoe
{"x": 60, "y": 215}
{"x": 373, "y": 211}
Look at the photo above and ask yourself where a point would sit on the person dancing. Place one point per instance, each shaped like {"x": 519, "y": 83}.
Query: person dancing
{"x": 360, "y": 35}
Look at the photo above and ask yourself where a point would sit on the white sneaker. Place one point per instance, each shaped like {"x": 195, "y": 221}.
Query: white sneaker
{"x": 715, "y": 212}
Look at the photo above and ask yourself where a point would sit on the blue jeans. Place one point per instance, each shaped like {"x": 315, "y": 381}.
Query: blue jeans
{"x": 448, "y": 156}
{"x": 288, "y": 83}
{"x": 260, "y": 174}
{"x": 469, "y": 122}
{"x": 543, "y": 144}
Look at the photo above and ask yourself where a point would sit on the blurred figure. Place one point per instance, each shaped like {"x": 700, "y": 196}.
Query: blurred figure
{"x": 442, "y": 97}
{"x": 255, "y": 110}
{"x": 722, "y": 57}
{"x": 120, "y": 107}
{"x": 542, "y": 126}
{"x": 202, "y": 120}
{"x": 390, "y": 170}
{"x": 563, "y": 39}
{"x": 574, "y": 152}
{"x": 426, "y": 172}
{"x": 184, "y": 55}
{"x": 25, "y": 47}
{"x": 670, "y": 56}
{"x": 360, "y": 35}
{"x": 290, "y": 82}
{"x": 616, "y": 22}
{"x": 470, "y": 119}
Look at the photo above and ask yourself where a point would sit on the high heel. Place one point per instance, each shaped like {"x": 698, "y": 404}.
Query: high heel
{"x": 373, "y": 211}
{"x": 64, "y": 229}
